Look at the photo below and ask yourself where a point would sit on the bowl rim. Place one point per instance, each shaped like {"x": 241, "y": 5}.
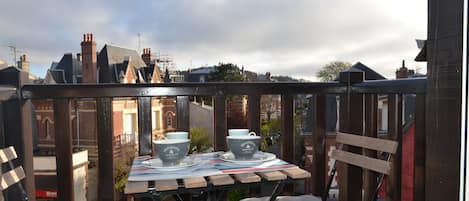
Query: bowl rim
{"x": 177, "y": 133}
{"x": 170, "y": 141}
{"x": 244, "y": 137}
{"x": 238, "y": 130}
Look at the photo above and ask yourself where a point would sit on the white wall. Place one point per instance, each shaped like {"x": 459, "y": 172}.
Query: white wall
{"x": 201, "y": 117}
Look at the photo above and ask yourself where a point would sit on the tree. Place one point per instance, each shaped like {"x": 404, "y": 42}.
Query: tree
{"x": 236, "y": 112}
{"x": 331, "y": 70}
{"x": 226, "y": 73}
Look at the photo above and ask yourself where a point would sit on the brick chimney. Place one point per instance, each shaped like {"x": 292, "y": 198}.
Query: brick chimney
{"x": 402, "y": 72}
{"x": 146, "y": 56}
{"x": 89, "y": 59}
{"x": 23, "y": 63}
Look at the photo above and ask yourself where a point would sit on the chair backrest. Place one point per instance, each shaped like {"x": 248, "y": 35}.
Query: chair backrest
{"x": 360, "y": 160}
{"x": 14, "y": 175}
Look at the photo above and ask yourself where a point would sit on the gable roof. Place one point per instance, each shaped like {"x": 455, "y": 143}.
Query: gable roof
{"x": 69, "y": 66}
{"x": 115, "y": 55}
{"x": 422, "y": 56}
{"x": 112, "y": 60}
{"x": 54, "y": 77}
{"x": 370, "y": 74}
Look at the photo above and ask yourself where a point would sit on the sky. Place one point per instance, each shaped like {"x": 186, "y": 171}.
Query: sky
{"x": 284, "y": 37}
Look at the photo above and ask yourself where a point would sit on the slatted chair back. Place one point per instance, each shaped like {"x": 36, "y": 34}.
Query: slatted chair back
{"x": 14, "y": 175}
{"x": 388, "y": 147}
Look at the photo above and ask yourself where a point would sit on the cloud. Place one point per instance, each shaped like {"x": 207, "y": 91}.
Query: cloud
{"x": 284, "y": 37}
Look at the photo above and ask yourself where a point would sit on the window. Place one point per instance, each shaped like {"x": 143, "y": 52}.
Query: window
{"x": 169, "y": 121}
{"x": 130, "y": 123}
{"x": 156, "y": 120}
{"x": 48, "y": 129}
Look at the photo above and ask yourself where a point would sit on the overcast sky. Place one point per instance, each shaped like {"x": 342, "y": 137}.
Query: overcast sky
{"x": 285, "y": 37}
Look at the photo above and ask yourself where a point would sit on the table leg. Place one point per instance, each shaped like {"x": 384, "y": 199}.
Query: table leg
{"x": 278, "y": 188}
{"x": 199, "y": 196}
{"x": 155, "y": 196}
{"x": 217, "y": 195}
{"x": 177, "y": 197}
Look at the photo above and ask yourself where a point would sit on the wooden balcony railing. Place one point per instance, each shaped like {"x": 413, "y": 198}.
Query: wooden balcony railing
{"x": 357, "y": 114}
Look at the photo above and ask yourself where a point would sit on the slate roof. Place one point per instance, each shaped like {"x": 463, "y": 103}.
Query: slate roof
{"x": 370, "y": 74}
{"x": 58, "y": 76}
{"x": 422, "y": 56}
{"x": 148, "y": 71}
{"x": 113, "y": 61}
{"x": 204, "y": 70}
{"x": 67, "y": 69}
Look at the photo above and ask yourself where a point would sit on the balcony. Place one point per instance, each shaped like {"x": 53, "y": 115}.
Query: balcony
{"x": 357, "y": 99}
{"x": 439, "y": 171}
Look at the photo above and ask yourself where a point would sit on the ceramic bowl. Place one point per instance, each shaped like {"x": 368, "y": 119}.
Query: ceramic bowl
{"x": 177, "y": 135}
{"x": 243, "y": 147}
{"x": 171, "y": 151}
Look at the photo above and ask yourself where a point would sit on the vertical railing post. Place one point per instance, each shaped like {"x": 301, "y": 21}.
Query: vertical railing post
{"x": 444, "y": 53}
{"x": 419, "y": 149}
{"x": 63, "y": 149}
{"x": 371, "y": 125}
{"x": 394, "y": 179}
{"x": 219, "y": 122}
{"x": 351, "y": 121}
{"x": 144, "y": 126}
{"x": 2, "y": 127}
{"x": 318, "y": 171}
{"x": 18, "y": 128}
{"x": 27, "y": 127}
{"x": 287, "y": 128}
{"x": 254, "y": 112}
{"x": 105, "y": 149}
{"x": 182, "y": 113}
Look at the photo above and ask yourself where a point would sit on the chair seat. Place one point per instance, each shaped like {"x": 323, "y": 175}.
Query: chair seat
{"x": 287, "y": 198}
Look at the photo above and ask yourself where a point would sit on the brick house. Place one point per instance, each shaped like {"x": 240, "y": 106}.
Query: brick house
{"x": 111, "y": 64}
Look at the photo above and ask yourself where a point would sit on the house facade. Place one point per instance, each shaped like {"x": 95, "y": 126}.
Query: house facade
{"x": 111, "y": 64}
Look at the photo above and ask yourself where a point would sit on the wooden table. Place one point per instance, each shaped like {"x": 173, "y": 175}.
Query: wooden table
{"x": 214, "y": 184}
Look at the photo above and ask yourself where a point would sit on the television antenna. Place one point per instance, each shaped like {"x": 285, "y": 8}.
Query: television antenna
{"x": 14, "y": 51}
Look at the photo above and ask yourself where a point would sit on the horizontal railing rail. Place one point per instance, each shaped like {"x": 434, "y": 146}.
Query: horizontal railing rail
{"x": 221, "y": 88}
{"x": 401, "y": 86}
{"x": 177, "y": 89}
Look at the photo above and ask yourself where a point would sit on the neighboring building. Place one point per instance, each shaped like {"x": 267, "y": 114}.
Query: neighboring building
{"x": 110, "y": 65}
{"x": 200, "y": 74}
{"x": 270, "y": 104}
{"x": 177, "y": 76}
{"x": 197, "y": 110}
